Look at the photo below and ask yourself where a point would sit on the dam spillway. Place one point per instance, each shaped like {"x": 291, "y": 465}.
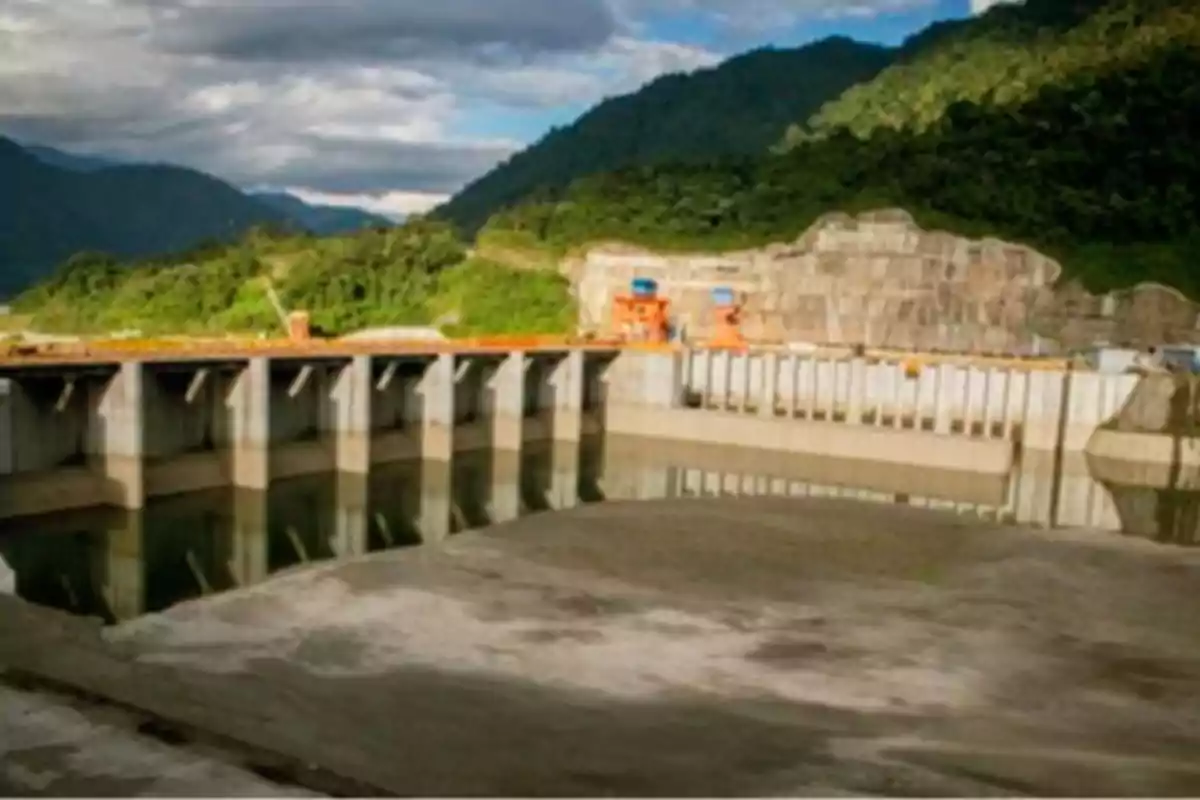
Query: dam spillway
{"x": 109, "y": 431}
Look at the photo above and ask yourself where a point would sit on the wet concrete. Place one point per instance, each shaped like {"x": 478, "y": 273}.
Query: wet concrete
{"x": 693, "y": 647}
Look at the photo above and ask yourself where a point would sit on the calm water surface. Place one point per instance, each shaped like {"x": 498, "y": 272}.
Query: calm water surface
{"x": 118, "y": 565}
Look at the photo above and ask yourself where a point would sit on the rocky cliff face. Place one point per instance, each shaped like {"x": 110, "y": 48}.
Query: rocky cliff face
{"x": 880, "y": 280}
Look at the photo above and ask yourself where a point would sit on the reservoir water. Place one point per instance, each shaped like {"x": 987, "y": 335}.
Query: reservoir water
{"x": 118, "y": 565}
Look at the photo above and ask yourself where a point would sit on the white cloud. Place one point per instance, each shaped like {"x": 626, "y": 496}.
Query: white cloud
{"x": 980, "y": 6}
{"x": 396, "y": 205}
{"x": 621, "y": 66}
{"x": 359, "y": 98}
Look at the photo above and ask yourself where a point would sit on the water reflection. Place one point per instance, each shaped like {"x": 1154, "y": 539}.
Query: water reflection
{"x": 116, "y": 565}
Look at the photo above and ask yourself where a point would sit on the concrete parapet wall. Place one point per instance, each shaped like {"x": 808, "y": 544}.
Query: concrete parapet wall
{"x": 1042, "y": 409}
{"x": 857, "y": 390}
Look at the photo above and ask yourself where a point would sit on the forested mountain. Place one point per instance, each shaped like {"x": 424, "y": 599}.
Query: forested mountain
{"x": 318, "y": 219}
{"x": 54, "y": 204}
{"x": 1005, "y": 56}
{"x": 740, "y": 107}
{"x": 73, "y": 161}
{"x": 322, "y": 220}
{"x": 1100, "y": 169}
{"x": 48, "y": 213}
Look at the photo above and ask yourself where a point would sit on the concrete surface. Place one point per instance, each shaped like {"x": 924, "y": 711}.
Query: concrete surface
{"x": 52, "y": 746}
{"x": 695, "y": 648}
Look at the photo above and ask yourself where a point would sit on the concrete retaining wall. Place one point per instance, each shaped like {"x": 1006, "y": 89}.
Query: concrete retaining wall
{"x": 838, "y": 398}
{"x": 943, "y": 398}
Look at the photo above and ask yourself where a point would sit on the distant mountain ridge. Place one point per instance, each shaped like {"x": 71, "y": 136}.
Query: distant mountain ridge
{"x": 319, "y": 219}
{"x": 323, "y": 220}
{"x": 72, "y": 161}
{"x": 54, "y": 204}
{"x": 737, "y": 108}
{"x": 49, "y": 213}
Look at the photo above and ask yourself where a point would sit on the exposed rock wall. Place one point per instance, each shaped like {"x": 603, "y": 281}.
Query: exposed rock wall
{"x": 880, "y": 280}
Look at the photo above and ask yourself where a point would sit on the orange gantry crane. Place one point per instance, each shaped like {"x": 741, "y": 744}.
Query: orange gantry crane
{"x": 727, "y": 319}
{"x": 642, "y": 315}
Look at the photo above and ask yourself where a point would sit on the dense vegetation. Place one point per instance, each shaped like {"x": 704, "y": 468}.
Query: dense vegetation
{"x": 1099, "y": 169}
{"x": 740, "y": 107}
{"x": 1005, "y": 57}
{"x": 407, "y": 275}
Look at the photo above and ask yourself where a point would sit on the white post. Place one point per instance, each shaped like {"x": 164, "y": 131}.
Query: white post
{"x": 858, "y": 388}
{"x": 770, "y": 370}
{"x": 943, "y": 408}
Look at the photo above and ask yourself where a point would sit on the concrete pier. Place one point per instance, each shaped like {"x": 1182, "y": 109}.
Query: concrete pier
{"x": 437, "y": 409}
{"x": 350, "y": 420}
{"x": 505, "y": 402}
{"x": 249, "y": 404}
{"x": 116, "y": 434}
{"x": 567, "y": 383}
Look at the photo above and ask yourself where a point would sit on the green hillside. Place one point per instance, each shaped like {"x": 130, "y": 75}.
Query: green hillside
{"x": 405, "y": 275}
{"x": 740, "y": 107}
{"x": 1006, "y": 56}
{"x": 1098, "y": 168}
{"x": 1101, "y": 171}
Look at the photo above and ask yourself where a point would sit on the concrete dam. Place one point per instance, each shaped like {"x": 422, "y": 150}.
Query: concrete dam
{"x": 85, "y": 434}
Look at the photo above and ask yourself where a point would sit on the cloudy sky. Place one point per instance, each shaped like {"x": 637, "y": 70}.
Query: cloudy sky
{"x": 390, "y": 104}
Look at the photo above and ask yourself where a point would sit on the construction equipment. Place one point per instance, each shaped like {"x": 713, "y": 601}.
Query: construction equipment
{"x": 641, "y": 315}
{"x": 296, "y": 323}
{"x": 727, "y": 317}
